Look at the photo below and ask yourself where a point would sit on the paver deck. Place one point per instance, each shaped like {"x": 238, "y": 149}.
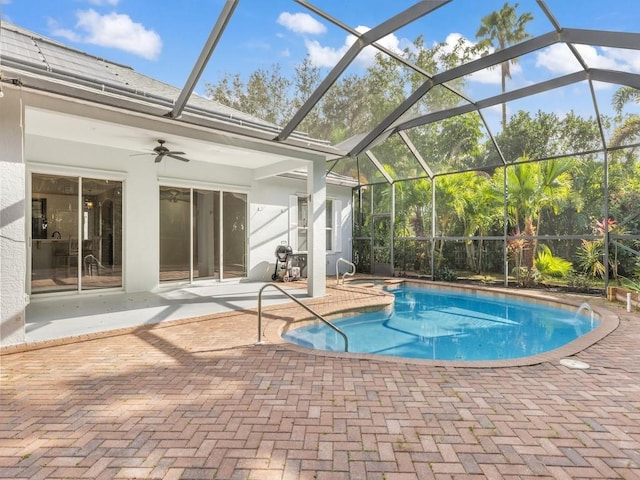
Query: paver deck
{"x": 198, "y": 398}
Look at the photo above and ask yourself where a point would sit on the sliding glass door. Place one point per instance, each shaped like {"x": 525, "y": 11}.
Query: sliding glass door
{"x": 76, "y": 233}
{"x": 202, "y": 234}
{"x": 206, "y": 234}
{"x": 234, "y": 261}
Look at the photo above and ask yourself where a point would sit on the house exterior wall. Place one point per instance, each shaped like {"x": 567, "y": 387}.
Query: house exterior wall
{"x": 268, "y": 203}
{"x": 13, "y": 206}
{"x": 269, "y": 223}
{"x": 23, "y": 154}
{"x": 268, "y": 216}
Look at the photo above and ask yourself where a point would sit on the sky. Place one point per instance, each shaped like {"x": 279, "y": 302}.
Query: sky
{"x": 163, "y": 38}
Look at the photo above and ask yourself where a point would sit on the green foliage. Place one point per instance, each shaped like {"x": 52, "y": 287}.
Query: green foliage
{"x": 549, "y": 266}
{"x": 266, "y": 94}
{"x": 445, "y": 274}
{"x": 579, "y": 282}
{"x": 626, "y": 133}
{"x": 500, "y": 29}
{"x": 632, "y": 284}
{"x": 590, "y": 258}
{"x": 624, "y": 96}
{"x": 557, "y": 196}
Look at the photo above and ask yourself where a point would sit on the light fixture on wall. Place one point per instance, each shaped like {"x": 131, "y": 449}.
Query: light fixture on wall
{"x": 88, "y": 204}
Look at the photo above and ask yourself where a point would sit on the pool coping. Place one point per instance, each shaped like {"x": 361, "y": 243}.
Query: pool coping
{"x": 609, "y": 321}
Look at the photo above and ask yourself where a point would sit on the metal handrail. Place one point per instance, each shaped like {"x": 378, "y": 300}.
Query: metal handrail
{"x": 317, "y": 315}
{"x": 351, "y": 273}
{"x": 587, "y": 307}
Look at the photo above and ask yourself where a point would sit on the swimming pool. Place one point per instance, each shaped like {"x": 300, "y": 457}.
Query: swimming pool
{"x": 450, "y": 325}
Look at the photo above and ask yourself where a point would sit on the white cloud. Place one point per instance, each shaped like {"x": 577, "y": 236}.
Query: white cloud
{"x": 628, "y": 59}
{"x": 488, "y": 76}
{"x": 301, "y": 23}
{"x": 113, "y": 30}
{"x": 559, "y": 59}
{"x": 322, "y": 56}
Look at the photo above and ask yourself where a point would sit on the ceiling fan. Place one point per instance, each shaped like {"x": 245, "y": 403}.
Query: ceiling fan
{"x": 161, "y": 151}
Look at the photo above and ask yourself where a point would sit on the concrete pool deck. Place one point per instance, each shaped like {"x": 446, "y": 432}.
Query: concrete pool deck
{"x": 197, "y": 398}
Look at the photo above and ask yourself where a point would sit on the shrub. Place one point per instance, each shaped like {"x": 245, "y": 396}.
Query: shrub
{"x": 445, "y": 274}
{"x": 579, "y": 282}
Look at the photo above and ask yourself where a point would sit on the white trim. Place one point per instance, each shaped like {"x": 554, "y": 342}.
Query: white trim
{"x": 69, "y": 170}
{"x": 187, "y": 183}
{"x": 220, "y": 240}
{"x": 79, "y": 173}
{"x": 190, "y": 234}
{"x": 336, "y": 234}
{"x": 336, "y": 229}
{"x": 293, "y": 222}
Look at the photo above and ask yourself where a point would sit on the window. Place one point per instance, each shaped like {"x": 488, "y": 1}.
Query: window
{"x": 202, "y": 234}
{"x": 76, "y": 233}
{"x": 299, "y": 224}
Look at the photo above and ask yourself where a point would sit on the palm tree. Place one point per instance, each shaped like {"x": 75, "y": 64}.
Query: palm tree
{"x": 499, "y": 30}
{"x": 533, "y": 187}
{"x": 623, "y": 96}
{"x": 630, "y": 128}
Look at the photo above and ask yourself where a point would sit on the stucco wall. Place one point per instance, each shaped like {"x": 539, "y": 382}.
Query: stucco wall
{"x": 268, "y": 202}
{"x": 269, "y": 225}
{"x": 12, "y": 221}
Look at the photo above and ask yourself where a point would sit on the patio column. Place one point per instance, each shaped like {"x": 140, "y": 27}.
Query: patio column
{"x": 13, "y": 249}
{"x": 317, "y": 241}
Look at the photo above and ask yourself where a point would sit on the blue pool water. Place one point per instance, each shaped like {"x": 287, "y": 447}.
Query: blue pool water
{"x": 446, "y": 325}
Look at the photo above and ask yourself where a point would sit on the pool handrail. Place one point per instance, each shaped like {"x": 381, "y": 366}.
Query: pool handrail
{"x": 587, "y": 307}
{"x": 351, "y": 273}
{"x": 308, "y": 309}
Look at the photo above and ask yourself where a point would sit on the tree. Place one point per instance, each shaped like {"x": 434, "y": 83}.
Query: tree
{"x": 531, "y": 188}
{"x": 499, "y": 30}
{"x": 305, "y": 81}
{"x": 623, "y": 96}
{"x": 466, "y": 206}
{"x": 629, "y": 130}
{"x": 265, "y": 95}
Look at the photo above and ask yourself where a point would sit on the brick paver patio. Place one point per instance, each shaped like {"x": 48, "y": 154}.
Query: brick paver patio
{"x": 198, "y": 399}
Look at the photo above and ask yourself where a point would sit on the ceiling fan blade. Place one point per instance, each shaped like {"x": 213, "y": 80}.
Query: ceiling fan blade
{"x": 175, "y": 153}
{"x": 177, "y": 157}
{"x": 159, "y": 158}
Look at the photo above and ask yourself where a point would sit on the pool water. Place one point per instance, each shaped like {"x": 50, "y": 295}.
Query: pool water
{"x": 445, "y": 325}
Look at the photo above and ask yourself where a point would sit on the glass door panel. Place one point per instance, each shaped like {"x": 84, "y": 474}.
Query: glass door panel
{"x": 54, "y": 233}
{"x": 175, "y": 229}
{"x": 206, "y": 234}
{"x": 234, "y": 227}
{"x": 101, "y": 234}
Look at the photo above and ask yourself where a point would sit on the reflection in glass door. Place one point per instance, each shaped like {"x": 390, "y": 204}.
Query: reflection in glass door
{"x": 234, "y": 235}
{"x": 175, "y": 212}
{"x": 76, "y": 233}
{"x": 101, "y": 248}
{"x": 202, "y": 234}
{"x": 206, "y": 234}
